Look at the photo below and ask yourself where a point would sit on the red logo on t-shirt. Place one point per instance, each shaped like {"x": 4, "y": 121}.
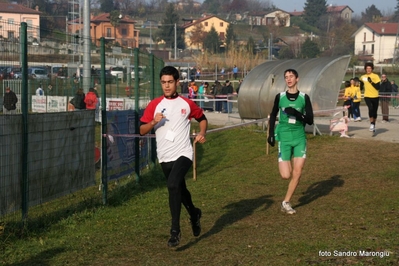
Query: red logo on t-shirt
{"x": 183, "y": 111}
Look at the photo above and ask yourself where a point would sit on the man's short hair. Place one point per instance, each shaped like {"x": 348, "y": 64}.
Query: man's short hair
{"x": 369, "y": 64}
{"x": 169, "y": 71}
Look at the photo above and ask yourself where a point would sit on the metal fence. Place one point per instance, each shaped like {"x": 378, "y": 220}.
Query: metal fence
{"x": 48, "y": 151}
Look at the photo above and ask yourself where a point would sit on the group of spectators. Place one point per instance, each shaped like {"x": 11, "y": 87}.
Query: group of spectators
{"x": 217, "y": 92}
{"x": 378, "y": 91}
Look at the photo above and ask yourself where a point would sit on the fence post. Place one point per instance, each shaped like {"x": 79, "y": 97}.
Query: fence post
{"x": 104, "y": 177}
{"x": 24, "y": 110}
{"x": 136, "y": 112}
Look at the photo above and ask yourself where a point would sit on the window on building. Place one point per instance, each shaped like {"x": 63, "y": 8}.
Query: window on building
{"x": 10, "y": 21}
{"x": 364, "y": 49}
{"x": 373, "y": 36}
{"x": 108, "y": 32}
{"x": 221, "y": 36}
{"x": 221, "y": 24}
{"x": 11, "y": 35}
{"x": 372, "y": 49}
{"x": 124, "y": 32}
{"x": 29, "y": 22}
{"x": 206, "y": 23}
{"x": 364, "y": 37}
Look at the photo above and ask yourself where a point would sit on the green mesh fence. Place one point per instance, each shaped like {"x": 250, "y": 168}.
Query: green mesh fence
{"x": 49, "y": 162}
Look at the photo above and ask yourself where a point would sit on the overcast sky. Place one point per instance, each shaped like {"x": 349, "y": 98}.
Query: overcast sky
{"x": 358, "y": 6}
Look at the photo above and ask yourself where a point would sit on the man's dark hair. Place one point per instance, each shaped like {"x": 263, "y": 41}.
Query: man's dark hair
{"x": 293, "y": 71}
{"x": 369, "y": 64}
{"x": 169, "y": 71}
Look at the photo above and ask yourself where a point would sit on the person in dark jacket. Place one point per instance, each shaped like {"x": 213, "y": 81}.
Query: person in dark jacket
{"x": 79, "y": 100}
{"x": 9, "y": 102}
{"x": 385, "y": 97}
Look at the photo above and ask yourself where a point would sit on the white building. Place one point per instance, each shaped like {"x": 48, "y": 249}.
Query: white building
{"x": 376, "y": 42}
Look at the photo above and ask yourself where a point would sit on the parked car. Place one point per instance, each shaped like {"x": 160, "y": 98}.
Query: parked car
{"x": 14, "y": 71}
{"x": 109, "y": 78}
{"x": 117, "y": 72}
{"x": 141, "y": 72}
{"x": 37, "y": 73}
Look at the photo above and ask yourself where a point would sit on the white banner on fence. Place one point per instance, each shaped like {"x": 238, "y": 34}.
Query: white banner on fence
{"x": 39, "y": 104}
{"x": 56, "y": 103}
{"x": 115, "y": 104}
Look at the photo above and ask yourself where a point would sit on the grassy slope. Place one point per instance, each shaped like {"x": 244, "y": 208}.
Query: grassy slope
{"x": 346, "y": 201}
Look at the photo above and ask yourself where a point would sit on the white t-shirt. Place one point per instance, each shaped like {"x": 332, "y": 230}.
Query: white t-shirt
{"x": 172, "y": 132}
{"x": 39, "y": 92}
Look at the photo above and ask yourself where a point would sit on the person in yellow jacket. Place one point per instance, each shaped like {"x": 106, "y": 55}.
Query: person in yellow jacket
{"x": 348, "y": 99}
{"x": 370, "y": 82}
{"x": 357, "y": 98}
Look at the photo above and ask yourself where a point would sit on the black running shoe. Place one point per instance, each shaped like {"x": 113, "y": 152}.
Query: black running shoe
{"x": 174, "y": 239}
{"x": 196, "y": 223}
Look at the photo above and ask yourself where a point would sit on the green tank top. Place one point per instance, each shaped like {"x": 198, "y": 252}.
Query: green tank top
{"x": 289, "y": 127}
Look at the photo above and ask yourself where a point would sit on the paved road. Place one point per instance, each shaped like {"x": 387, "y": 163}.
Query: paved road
{"x": 384, "y": 131}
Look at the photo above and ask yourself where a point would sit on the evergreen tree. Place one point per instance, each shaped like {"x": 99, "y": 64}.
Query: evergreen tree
{"x": 106, "y": 6}
{"x": 212, "y": 42}
{"x": 314, "y": 10}
{"x": 309, "y": 49}
{"x": 395, "y": 17}
{"x": 371, "y": 14}
{"x": 230, "y": 36}
{"x": 167, "y": 30}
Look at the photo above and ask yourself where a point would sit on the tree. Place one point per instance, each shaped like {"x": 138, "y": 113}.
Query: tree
{"x": 314, "y": 10}
{"x": 251, "y": 45}
{"x": 197, "y": 35}
{"x": 238, "y": 5}
{"x": 230, "y": 36}
{"x": 371, "y": 14}
{"x": 310, "y": 49}
{"x": 212, "y": 42}
{"x": 167, "y": 30}
{"x": 286, "y": 53}
{"x": 106, "y": 5}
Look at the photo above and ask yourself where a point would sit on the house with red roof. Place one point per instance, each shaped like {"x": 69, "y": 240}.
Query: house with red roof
{"x": 100, "y": 26}
{"x": 376, "y": 42}
{"x": 343, "y": 12}
{"x": 14, "y": 14}
{"x": 276, "y": 17}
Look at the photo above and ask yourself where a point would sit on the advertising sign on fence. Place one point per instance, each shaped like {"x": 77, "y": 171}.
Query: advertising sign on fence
{"x": 56, "y": 104}
{"x": 39, "y": 104}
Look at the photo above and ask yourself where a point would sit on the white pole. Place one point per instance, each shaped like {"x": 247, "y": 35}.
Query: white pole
{"x": 175, "y": 42}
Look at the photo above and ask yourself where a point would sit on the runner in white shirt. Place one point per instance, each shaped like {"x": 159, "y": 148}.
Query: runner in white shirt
{"x": 170, "y": 115}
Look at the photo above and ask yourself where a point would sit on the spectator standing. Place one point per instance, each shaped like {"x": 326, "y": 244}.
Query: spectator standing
{"x": 169, "y": 116}
{"x": 40, "y": 91}
{"x": 184, "y": 86}
{"x": 357, "y": 98}
{"x": 227, "y": 92}
{"x": 91, "y": 99}
{"x": 235, "y": 72}
{"x": 370, "y": 83}
{"x": 394, "y": 94}
{"x": 78, "y": 100}
{"x": 200, "y": 95}
{"x": 385, "y": 97}
{"x": 9, "y": 102}
{"x": 217, "y": 90}
{"x": 198, "y": 74}
{"x": 348, "y": 96}
{"x": 295, "y": 111}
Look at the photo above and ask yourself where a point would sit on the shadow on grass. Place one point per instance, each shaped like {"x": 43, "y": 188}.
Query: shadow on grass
{"x": 320, "y": 189}
{"x": 42, "y": 259}
{"x": 236, "y": 212}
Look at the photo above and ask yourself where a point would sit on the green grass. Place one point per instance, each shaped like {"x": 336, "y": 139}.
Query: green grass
{"x": 346, "y": 201}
